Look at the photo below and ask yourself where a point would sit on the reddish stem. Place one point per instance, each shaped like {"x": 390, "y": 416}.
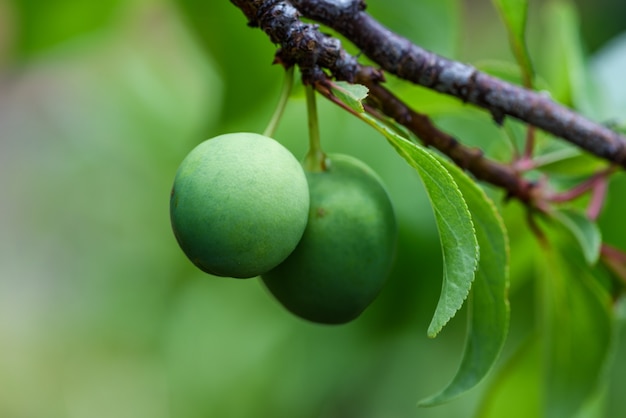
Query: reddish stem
{"x": 615, "y": 259}
{"x": 598, "y": 197}
{"x": 530, "y": 143}
{"x": 582, "y": 188}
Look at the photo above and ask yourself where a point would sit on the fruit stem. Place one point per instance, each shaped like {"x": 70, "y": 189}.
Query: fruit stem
{"x": 315, "y": 159}
{"x": 282, "y": 103}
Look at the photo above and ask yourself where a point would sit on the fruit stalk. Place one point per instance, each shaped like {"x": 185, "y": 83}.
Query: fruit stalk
{"x": 315, "y": 159}
{"x": 282, "y": 103}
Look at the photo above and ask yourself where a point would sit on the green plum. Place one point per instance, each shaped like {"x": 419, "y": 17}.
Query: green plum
{"x": 347, "y": 249}
{"x": 239, "y": 204}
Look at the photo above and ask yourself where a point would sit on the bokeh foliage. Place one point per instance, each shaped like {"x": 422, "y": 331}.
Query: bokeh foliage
{"x": 100, "y": 313}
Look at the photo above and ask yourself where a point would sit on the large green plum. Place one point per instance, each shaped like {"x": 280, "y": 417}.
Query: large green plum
{"x": 239, "y": 204}
{"x": 347, "y": 249}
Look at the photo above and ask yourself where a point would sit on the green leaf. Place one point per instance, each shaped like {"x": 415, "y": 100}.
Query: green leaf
{"x": 513, "y": 13}
{"x": 435, "y": 25}
{"x": 584, "y": 230}
{"x": 351, "y": 95}
{"x": 620, "y": 309}
{"x": 564, "y": 60}
{"x": 565, "y": 160}
{"x": 454, "y": 222}
{"x": 607, "y": 69}
{"x": 508, "y": 71}
{"x": 595, "y": 405}
{"x": 505, "y": 70}
{"x": 578, "y": 327}
{"x": 516, "y": 390}
{"x": 488, "y": 303}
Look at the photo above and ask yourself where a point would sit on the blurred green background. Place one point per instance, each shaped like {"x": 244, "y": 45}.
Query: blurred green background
{"x": 102, "y": 316}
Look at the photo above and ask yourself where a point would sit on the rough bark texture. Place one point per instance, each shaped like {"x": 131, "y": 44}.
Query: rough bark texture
{"x": 303, "y": 44}
{"x": 399, "y": 56}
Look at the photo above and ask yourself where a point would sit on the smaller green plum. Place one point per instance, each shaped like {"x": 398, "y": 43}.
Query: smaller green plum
{"x": 239, "y": 204}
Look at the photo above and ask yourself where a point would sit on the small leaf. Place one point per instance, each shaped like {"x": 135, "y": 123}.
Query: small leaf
{"x": 351, "y": 95}
{"x": 505, "y": 70}
{"x": 584, "y": 230}
{"x": 568, "y": 161}
{"x": 488, "y": 303}
{"x": 513, "y": 13}
{"x": 564, "y": 64}
{"x": 578, "y": 328}
{"x": 454, "y": 222}
{"x": 510, "y": 71}
{"x": 607, "y": 69}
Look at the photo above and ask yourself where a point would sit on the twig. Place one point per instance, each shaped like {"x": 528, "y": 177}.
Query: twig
{"x": 420, "y": 125}
{"x": 471, "y": 159}
{"x": 303, "y": 44}
{"x": 399, "y": 56}
{"x": 582, "y": 187}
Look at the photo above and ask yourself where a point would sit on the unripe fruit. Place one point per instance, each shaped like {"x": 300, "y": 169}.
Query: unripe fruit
{"x": 239, "y": 204}
{"x": 346, "y": 252}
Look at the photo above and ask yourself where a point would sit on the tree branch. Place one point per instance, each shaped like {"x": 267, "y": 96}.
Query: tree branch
{"x": 303, "y": 44}
{"x": 470, "y": 159}
{"x": 399, "y": 56}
